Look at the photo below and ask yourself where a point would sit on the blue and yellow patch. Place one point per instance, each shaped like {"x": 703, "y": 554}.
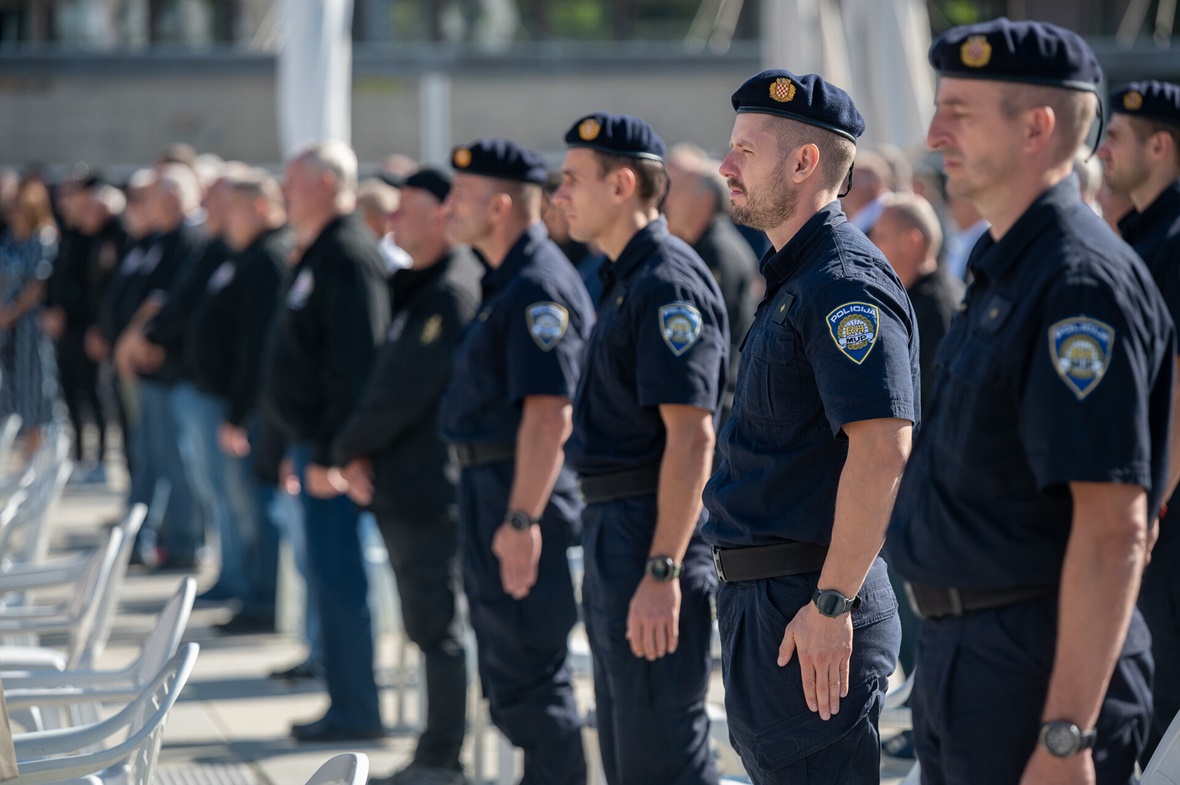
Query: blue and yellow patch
{"x": 1081, "y": 349}
{"x": 680, "y": 325}
{"x": 854, "y": 328}
{"x": 547, "y": 322}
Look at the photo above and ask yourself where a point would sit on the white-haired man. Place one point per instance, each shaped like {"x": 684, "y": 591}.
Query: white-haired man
{"x": 336, "y": 313}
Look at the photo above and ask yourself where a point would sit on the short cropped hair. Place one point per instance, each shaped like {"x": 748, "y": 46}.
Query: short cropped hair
{"x": 915, "y": 212}
{"x": 335, "y": 158}
{"x": 651, "y": 178}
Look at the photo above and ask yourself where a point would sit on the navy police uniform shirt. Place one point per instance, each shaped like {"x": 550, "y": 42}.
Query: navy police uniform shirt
{"x": 1057, "y": 370}
{"x": 528, "y": 339}
{"x": 834, "y": 341}
{"x": 662, "y": 337}
{"x": 1155, "y": 236}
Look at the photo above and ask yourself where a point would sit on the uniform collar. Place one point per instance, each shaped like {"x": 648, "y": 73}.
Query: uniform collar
{"x": 777, "y": 266}
{"x": 992, "y": 259}
{"x": 1164, "y": 209}
{"x": 638, "y": 248}
{"x": 517, "y": 257}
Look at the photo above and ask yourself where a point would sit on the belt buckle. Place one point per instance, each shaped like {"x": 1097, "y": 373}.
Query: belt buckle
{"x": 717, "y": 565}
{"x": 581, "y": 489}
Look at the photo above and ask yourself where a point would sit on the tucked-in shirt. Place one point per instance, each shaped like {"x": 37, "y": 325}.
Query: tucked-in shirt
{"x": 1058, "y": 370}
{"x": 833, "y": 342}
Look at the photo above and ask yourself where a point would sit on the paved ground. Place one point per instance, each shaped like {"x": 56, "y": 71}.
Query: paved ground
{"x": 231, "y": 725}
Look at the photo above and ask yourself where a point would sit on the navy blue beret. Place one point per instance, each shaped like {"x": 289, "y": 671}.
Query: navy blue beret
{"x": 436, "y": 181}
{"x": 500, "y": 158}
{"x": 1151, "y": 99}
{"x": 1005, "y": 51}
{"x": 617, "y": 134}
{"x": 807, "y": 99}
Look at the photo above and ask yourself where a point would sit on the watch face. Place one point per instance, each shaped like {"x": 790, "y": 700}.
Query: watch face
{"x": 659, "y": 568}
{"x": 829, "y": 604}
{"x": 1061, "y": 740}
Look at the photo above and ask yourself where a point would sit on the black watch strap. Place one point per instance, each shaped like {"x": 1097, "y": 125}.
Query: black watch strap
{"x": 663, "y": 568}
{"x": 520, "y": 520}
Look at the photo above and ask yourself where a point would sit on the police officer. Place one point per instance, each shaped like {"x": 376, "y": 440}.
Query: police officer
{"x": 1141, "y": 155}
{"x": 507, "y": 415}
{"x": 326, "y": 333}
{"x": 644, "y": 420}
{"x": 827, "y": 395}
{"x": 396, "y": 465}
{"x": 1021, "y": 521}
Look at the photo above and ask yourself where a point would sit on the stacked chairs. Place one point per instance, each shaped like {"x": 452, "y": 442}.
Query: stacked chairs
{"x": 119, "y": 750}
{"x": 85, "y": 617}
{"x": 54, "y": 698}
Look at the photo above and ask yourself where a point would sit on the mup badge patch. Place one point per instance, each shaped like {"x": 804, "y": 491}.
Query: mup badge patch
{"x": 547, "y": 323}
{"x": 680, "y": 324}
{"x": 1081, "y": 350}
{"x": 854, "y": 328}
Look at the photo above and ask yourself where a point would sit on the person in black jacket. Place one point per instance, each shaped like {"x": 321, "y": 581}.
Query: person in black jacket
{"x": 227, "y": 331}
{"x": 334, "y": 316}
{"x": 397, "y": 465}
{"x": 177, "y": 248}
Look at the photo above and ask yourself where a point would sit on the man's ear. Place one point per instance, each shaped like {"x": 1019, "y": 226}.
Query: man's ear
{"x": 1040, "y": 123}
{"x": 623, "y": 183}
{"x": 803, "y": 162}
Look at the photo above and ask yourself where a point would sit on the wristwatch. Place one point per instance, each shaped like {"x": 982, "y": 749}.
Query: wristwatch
{"x": 521, "y": 521}
{"x": 663, "y": 569}
{"x": 832, "y": 603}
{"x": 1063, "y": 739}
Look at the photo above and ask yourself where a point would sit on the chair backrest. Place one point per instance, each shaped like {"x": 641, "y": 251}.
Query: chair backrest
{"x": 351, "y": 768}
{"x": 1164, "y": 766}
{"x": 122, "y": 748}
{"x": 87, "y": 644}
{"x": 25, "y": 539}
{"x": 9, "y": 430}
{"x": 164, "y": 640}
{"x": 89, "y": 599}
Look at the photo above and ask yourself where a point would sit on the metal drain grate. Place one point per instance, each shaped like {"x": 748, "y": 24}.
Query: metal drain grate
{"x": 205, "y": 774}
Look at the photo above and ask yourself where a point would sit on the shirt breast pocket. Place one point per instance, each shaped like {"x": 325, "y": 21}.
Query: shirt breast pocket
{"x": 976, "y": 399}
{"x": 768, "y": 381}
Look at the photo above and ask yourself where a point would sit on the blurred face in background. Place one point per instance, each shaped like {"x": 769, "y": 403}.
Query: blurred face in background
{"x": 419, "y": 223}
{"x": 467, "y": 209}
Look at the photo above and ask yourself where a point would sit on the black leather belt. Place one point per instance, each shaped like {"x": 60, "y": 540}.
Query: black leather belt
{"x": 474, "y": 454}
{"x": 937, "y": 602}
{"x": 768, "y": 561}
{"x": 599, "y": 488}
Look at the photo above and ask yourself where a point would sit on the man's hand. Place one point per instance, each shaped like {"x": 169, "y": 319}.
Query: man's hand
{"x": 323, "y": 482}
{"x": 53, "y": 323}
{"x": 1044, "y": 769}
{"x": 288, "y": 480}
{"x": 653, "y": 622}
{"x": 233, "y": 440}
{"x": 518, "y": 552}
{"x": 824, "y": 647}
{"x": 358, "y": 474}
{"x": 96, "y": 347}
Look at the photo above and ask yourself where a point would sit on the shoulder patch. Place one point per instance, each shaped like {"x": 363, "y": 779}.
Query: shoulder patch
{"x": 547, "y": 322}
{"x": 300, "y": 290}
{"x": 431, "y": 330}
{"x": 1081, "y": 349}
{"x": 680, "y": 324}
{"x": 854, "y": 328}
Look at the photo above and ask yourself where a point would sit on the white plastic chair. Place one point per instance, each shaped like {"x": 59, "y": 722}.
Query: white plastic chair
{"x": 120, "y": 750}
{"x": 77, "y": 695}
{"x": 1164, "y": 766}
{"x": 351, "y": 768}
{"x": 25, "y": 538}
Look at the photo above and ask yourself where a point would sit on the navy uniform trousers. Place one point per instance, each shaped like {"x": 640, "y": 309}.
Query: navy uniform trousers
{"x": 522, "y": 644}
{"x": 779, "y": 739}
{"x": 652, "y": 724}
{"x": 980, "y": 689}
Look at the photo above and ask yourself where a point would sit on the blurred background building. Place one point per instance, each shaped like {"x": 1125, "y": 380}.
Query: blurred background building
{"x": 113, "y": 81}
